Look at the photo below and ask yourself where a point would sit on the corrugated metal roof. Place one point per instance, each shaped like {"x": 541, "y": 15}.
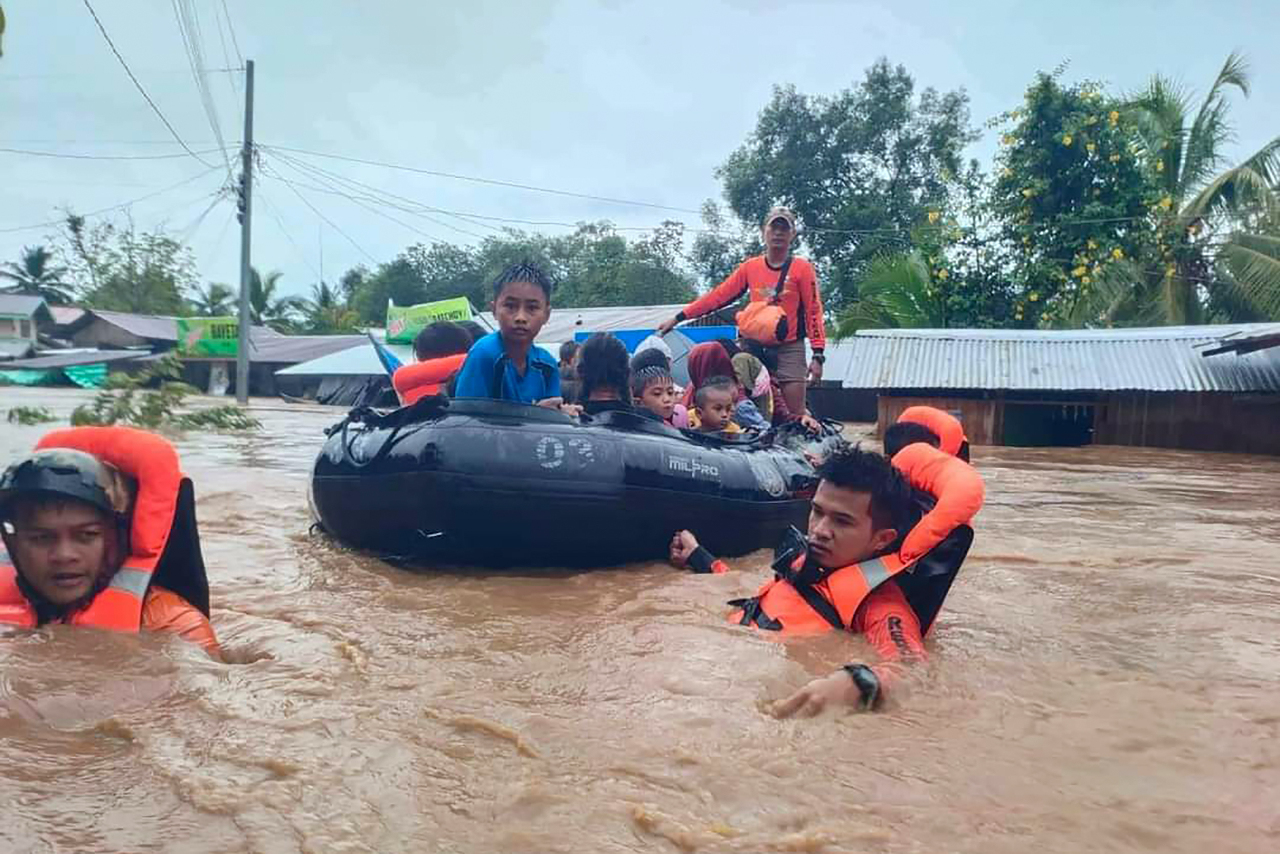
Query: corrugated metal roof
{"x": 22, "y": 305}
{"x": 359, "y": 360}
{"x": 294, "y": 349}
{"x": 156, "y": 327}
{"x": 79, "y": 357}
{"x": 1148, "y": 359}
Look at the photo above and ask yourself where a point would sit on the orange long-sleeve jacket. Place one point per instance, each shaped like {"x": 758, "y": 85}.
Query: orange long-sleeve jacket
{"x": 801, "y": 299}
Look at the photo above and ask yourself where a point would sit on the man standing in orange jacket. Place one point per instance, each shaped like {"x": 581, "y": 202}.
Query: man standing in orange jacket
{"x": 776, "y": 278}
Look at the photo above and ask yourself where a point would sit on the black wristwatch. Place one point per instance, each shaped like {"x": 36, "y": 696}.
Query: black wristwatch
{"x": 819, "y": 358}
{"x": 868, "y": 684}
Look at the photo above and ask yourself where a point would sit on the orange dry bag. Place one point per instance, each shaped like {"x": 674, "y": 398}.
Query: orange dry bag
{"x": 766, "y": 322}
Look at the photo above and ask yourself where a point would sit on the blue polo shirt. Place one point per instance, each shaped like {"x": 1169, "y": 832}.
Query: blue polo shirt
{"x": 489, "y": 373}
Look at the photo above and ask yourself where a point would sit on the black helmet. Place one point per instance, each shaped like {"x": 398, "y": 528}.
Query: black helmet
{"x": 74, "y": 474}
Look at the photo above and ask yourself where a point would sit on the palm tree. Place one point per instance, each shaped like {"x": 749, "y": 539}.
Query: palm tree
{"x": 896, "y": 291}
{"x": 34, "y": 277}
{"x": 1212, "y": 224}
{"x": 327, "y": 314}
{"x": 214, "y": 300}
{"x": 280, "y": 313}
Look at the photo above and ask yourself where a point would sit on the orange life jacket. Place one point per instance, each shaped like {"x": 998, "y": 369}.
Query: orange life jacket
{"x": 946, "y": 425}
{"x": 811, "y": 601}
{"x": 421, "y": 379}
{"x": 153, "y": 463}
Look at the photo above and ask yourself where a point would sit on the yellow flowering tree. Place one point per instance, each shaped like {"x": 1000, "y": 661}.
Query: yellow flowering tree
{"x": 1070, "y": 191}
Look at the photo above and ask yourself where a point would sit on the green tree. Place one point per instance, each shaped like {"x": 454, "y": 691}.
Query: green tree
{"x": 1072, "y": 196}
{"x": 1215, "y": 227}
{"x": 281, "y": 313}
{"x": 896, "y": 290}
{"x": 860, "y": 168}
{"x": 213, "y": 300}
{"x": 34, "y": 276}
{"x": 720, "y": 245}
{"x": 327, "y": 314}
{"x": 118, "y": 268}
{"x": 396, "y": 280}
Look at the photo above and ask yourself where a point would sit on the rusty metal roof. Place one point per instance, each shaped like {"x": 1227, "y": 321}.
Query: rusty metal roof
{"x": 1148, "y": 359}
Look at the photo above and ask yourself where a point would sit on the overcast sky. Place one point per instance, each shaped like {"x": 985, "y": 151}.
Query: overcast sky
{"x": 628, "y": 100}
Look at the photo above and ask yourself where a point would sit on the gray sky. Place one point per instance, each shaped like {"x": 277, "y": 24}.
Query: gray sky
{"x": 629, "y": 100}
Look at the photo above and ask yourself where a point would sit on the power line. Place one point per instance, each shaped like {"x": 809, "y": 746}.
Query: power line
{"x": 491, "y": 181}
{"x": 192, "y": 39}
{"x": 276, "y": 176}
{"x": 328, "y": 221}
{"x": 66, "y": 156}
{"x": 138, "y": 85}
{"x": 235, "y": 43}
{"x": 111, "y": 208}
{"x": 275, "y": 215}
{"x": 474, "y": 218}
{"x": 319, "y": 174}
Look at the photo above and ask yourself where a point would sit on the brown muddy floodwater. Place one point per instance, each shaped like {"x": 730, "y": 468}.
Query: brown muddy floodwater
{"x": 1105, "y": 677}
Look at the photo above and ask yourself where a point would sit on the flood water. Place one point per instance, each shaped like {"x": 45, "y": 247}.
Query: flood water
{"x": 1105, "y": 678}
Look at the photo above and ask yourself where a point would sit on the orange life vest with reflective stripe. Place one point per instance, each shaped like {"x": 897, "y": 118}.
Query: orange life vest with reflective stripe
{"x": 791, "y": 606}
{"x": 809, "y": 602}
{"x": 153, "y": 463}
{"x": 421, "y": 379}
{"x": 946, "y": 425}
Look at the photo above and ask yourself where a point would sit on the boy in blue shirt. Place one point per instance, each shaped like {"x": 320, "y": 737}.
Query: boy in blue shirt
{"x": 506, "y": 364}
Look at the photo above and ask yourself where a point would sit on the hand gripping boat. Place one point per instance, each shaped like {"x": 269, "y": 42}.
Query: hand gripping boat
{"x": 494, "y": 483}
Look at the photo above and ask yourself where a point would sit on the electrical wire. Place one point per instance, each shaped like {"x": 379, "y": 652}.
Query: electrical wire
{"x": 193, "y": 43}
{"x": 121, "y": 206}
{"x": 491, "y": 181}
{"x": 328, "y": 221}
{"x": 63, "y": 156}
{"x": 275, "y": 175}
{"x": 307, "y": 170}
{"x": 275, "y": 215}
{"x": 138, "y": 85}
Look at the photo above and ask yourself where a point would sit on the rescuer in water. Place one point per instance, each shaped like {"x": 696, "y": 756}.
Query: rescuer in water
{"x": 885, "y": 542}
{"x": 99, "y": 526}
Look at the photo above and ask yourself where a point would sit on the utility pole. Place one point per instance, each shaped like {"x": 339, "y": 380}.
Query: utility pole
{"x": 246, "y": 210}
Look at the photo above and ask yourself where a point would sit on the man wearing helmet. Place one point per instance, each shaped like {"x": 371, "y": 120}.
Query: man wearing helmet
{"x": 67, "y": 520}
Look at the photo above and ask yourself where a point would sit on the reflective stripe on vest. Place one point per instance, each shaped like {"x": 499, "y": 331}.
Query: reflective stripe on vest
{"x": 153, "y": 463}
{"x": 783, "y": 606}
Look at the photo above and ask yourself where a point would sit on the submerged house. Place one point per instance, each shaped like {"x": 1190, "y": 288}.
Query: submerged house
{"x": 22, "y": 318}
{"x": 1170, "y": 387}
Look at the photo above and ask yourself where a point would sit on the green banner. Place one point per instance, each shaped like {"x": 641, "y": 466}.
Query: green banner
{"x": 208, "y": 336}
{"x": 404, "y": 323}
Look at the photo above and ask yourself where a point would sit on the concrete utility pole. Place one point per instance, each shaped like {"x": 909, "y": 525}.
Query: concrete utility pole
{"x": 246, "y": 210}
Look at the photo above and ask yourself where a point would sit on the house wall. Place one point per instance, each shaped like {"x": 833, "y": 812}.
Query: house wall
{"x": 981, "y": 418}
{"x": 107, "y": 336}
{"x": 1207, "y": 421}
{"x": 1210, "y": 421}
{"x": 17, "y": 328}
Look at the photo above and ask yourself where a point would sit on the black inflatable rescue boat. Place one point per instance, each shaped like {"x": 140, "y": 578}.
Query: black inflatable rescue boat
{"x": 492, "y": 483}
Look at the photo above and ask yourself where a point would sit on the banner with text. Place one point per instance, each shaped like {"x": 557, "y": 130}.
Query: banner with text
{"x": 210, "y": 337}
{"x": 405, "y": 322}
